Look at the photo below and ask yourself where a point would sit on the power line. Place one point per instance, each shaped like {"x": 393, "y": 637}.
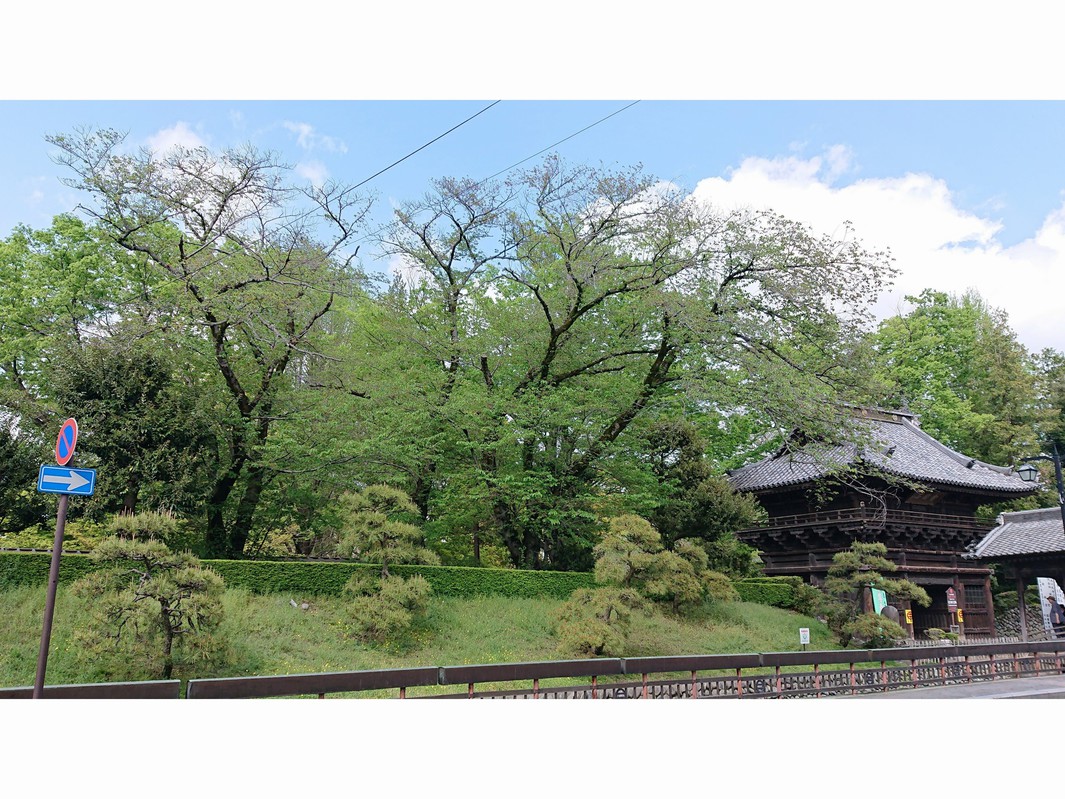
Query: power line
{"x": 560, "y": 141}
{"x": 438, "y": 138}
{"x": 522, "y": 161}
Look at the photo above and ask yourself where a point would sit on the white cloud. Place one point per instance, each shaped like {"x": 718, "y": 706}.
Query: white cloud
{"x": 406, "y": 268}
{"x": 314, "y": 172}
{"x": 35, "y": 187}
{"x": 179, "y": 135}
{"x": 309, "y": 140}
{"x": 936, "y": 244}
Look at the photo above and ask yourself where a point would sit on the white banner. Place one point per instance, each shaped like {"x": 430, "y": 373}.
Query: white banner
{"x": 1048, "y": 587}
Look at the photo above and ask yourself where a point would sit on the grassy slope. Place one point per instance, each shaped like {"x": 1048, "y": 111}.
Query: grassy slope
{"x": 268, "y": 636}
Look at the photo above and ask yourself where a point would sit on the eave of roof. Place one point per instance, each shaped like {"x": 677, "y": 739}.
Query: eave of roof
{"x": 1020, "y": 533}
{"x": 902, "y": 449}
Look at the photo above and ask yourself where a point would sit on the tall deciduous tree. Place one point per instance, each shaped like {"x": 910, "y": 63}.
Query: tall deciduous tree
{"x": 259, "y": 261}
{"x": 544, "y": 316}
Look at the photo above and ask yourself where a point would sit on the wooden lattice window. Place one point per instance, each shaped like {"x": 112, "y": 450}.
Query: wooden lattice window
{"x": 974, "y": 596}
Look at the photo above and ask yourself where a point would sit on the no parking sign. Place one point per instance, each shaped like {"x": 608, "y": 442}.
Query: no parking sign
{"x": 66, "y": 441}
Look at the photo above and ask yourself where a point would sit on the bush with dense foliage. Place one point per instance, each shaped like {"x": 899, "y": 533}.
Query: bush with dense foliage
{"x": 789, "y": 593}
{"x": 873, "y": 631}
{"x": 595, "y": 621}
{"x": 633, "y": 570}
{"x": 149, "y": 605}
{"x": 374, "y": 529}
{"x": 383, "y": 608}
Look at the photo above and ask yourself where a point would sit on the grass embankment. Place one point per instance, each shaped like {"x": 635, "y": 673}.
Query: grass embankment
{"x": 266, "y": 635}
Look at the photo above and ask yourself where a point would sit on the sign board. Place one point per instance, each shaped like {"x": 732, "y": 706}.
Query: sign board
{"x": 952, "y": 599}
{"x": 66, "y": 441}
{"x": 961, "y": 618}
{"x": 58, "y": 480}
{"x": 804, "y": 635}
{"x": 1048, "y": 587}
{"x": 879, "y": 600}
{"x": 909, "y": 616}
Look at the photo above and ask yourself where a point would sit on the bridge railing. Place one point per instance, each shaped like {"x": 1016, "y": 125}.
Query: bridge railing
{"x": 776, "y": 675}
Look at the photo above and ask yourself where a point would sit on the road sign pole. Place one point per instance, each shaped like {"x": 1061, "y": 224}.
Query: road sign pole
{"x": 49, "y": 605}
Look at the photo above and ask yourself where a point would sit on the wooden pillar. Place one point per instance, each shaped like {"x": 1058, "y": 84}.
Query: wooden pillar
{"x": 1024, "y": 610}
{"x": 989, "y": 600}
{"x": 959, "y": 590}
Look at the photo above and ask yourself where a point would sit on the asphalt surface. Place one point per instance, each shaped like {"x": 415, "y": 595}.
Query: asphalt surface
{"x": 1049, "y": 687}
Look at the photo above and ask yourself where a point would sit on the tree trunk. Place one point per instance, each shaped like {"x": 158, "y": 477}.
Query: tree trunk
{"x": 168, "y": 642}
{"x": 129, "y": 500}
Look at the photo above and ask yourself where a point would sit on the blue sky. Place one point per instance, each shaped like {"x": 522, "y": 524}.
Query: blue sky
{"x": 992, "y": 155}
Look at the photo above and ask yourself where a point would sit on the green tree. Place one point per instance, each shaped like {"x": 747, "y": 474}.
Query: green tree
{"x": 1050, "y": 396}
{"x": 20, "y": 505}
{"x": 634, "y": 572}
{"x": 594, "y": 622}
{"x": 147, "y": 428}
{"x": 956, "y": 363}
{"x": 148, "y": 604}
{"x": 373, "y": 530}
{"x": 58, "y": 287}
{"x": 852, "y": 571}
{"x": 544, "y": 316}
{"x": 74, "y": 341}
{"x": 257, "y": 261}
{"x": 699, "y": 504}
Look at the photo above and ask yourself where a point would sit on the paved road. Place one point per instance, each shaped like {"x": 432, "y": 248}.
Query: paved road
{"x": 1050, "y": 687}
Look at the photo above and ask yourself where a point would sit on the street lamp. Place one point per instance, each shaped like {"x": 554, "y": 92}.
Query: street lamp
{"x": 1030, "y": 474}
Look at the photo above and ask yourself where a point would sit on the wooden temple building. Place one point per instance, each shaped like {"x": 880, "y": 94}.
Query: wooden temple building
{"x": 898, "y": 486}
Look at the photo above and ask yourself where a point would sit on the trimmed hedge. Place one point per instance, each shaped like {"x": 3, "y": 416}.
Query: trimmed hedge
{"x": 31, "y": 568}
{"x": 328, "y": 578}
{"x": 776, "y": 591}
{"x": 276, "y": 577}
{"x": 320, "y": 578}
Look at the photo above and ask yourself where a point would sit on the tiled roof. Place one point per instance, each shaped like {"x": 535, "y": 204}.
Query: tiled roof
{"x": 897, "y": 446}
{"x": 1023, "y": 532}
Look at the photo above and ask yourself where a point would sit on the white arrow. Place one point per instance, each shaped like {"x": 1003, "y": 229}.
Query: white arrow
{"x": 75, "y": 480}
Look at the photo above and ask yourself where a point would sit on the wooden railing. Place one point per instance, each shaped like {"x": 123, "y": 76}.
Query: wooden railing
{"x": 867, "y": 515}
{"x": 769, "y": 675}
{"x": 156, "y": 689}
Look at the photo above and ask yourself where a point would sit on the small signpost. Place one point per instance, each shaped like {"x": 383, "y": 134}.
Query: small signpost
{"x": 62, "y": 481}
{"x": 952, "y": 606}
{"x": 804, "y": 637}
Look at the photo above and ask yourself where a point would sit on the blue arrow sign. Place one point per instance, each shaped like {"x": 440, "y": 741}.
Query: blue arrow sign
{"x": 62, "y": 480}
